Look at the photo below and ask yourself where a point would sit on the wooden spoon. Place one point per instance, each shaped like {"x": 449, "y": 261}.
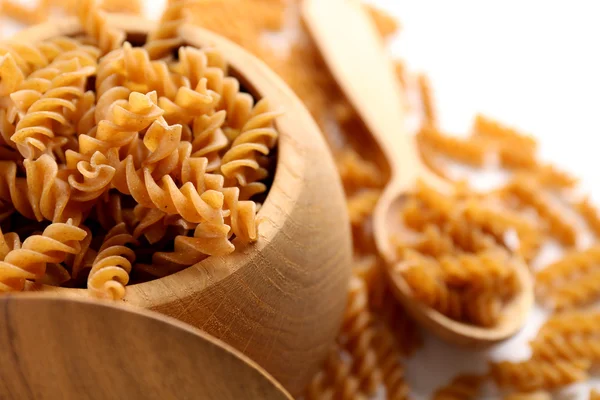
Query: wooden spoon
{"x": 356, "y": 56}
{"x": 60, "y": 348}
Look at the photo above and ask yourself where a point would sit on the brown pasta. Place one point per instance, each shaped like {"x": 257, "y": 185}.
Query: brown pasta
{"x": 463, "y": 387}
{"x": 469, "y": 151}
{"x": 538, "y": 374}
{"x": 531, "y": 194}
{"x": 156, "y": 164}
{"x": 359, "y": 337}
{"x": 538, "y": 395}
{"x": 590, "y": 215}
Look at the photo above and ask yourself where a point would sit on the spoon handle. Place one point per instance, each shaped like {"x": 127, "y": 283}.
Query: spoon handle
{"x": 355, "y": 54}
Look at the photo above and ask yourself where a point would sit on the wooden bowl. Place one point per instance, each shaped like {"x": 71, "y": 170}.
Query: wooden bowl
{"x": 280, "y": 301}
{"x": 101, "y": 350}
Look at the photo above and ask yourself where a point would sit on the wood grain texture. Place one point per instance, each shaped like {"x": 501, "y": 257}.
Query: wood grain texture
{"x": 343, "y": 31}
{"x": 59, "y": 348}
{"x": 280, "y": 300}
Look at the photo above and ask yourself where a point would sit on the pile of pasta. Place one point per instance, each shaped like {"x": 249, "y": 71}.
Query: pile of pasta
{"x": 465, "y": 243}
{"x": 122, "y": 163}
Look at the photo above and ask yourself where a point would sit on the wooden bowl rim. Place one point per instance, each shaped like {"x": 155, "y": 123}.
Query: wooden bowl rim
{"x": 70, "y": 26}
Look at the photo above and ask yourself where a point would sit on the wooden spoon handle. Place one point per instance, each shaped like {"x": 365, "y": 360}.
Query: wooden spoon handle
{"x": 356, "y": 56}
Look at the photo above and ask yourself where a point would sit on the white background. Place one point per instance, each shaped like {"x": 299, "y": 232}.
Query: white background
{"x": 532, "y": 64}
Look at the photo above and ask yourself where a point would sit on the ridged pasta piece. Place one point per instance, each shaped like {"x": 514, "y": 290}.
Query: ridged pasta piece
{"x": 489, "y": 128}
{"x": 89, "y": 179}
{"x": 83, "y": 117}
{"x": 573, "y": 264}
{"x": 356, "y": 172}
{"x": 482, "y": 308}
{"x": 572, "y": 323}
{"x": 538, "y": 395}
{"x": 358, "y": 336}
{"x": 195, "y": 63}
{"x": 111, "y": 268}
{"x": 49, "y": 194}
{"x": 44, "y": 110}
{"x": 11, "y": 75}
{"x": 538, "y": 374}
{"x": 29, "y": 261}
{"x": 14, "y": 190}
{"x": 532, "y": 195}
{"x": 257, "y": 136}
{"x": 428, "y": 287}
{"x": 165, "y": 38}
{"x": 551, "y": 177}
{"x": 581, "y": 291}
{"x": 566, "y": 347}
{"x": 93, "y": 20}
{"x": 485, "y": 270}
{"x": 398, "y": 322}
{"x": 440, "y": 204}
{"x": 189, "y": 103}
{"x": 335, "y": 380}
{"x": 208, "y": 138}
{"x": 590, "y": 215}
{"x": 8, "y": 242}
{"x": 463, "y": 387}
{"x": 361, "y": 205}
{"x": 84, "y": 258}
{"x": 389, "y": 360}
{"x": 124, "y": 119}
{"x": 144, "y": 75}
{"x": 431, "y": 242}
{"x": 499, "y": 222}
{"x": 594, "y": 394}
{"x": 468, "y": 151}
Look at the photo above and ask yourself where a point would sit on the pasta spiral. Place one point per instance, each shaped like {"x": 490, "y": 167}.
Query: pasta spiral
{"x": 388, "y": 357}
{"x": 11, "y": 75}
{"x": 30, "y": 57}
{"x": 166, "y": 37}
{"x": 335, "y": 381}
{"x": 359, "y": 336}
{"x": 463, "y": 387}
{"x": 35, "y": 128}
{"x": 93, "y": 20}
{"x": 14, "y": 190}
{"x": 208, "y": 138}
{"x": 538, "y": 374}
{"x": 51, "y": 199}
{"x": 574, "y": 264}
{"x": 124, "y": 119}
{"x": 572, "y": 347}
{"x": 256, "y": 136}
{"x": 578, "y": 292}
{"x": 529, "y": 193}
{"x": 111, "y": 268}
{"x": 29, "y": 261}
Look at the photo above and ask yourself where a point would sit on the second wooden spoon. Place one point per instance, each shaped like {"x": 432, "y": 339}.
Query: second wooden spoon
{"x": 356, "y": 56}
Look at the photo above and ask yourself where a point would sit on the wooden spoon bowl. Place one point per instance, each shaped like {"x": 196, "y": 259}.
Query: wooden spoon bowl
{"x": 280, "y": 300}
{"x": 59, "y": 348}
{"x": 356, "y": 56}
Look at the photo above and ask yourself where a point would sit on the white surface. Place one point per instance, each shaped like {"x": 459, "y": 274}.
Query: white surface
{"x": 532, "y": 64}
